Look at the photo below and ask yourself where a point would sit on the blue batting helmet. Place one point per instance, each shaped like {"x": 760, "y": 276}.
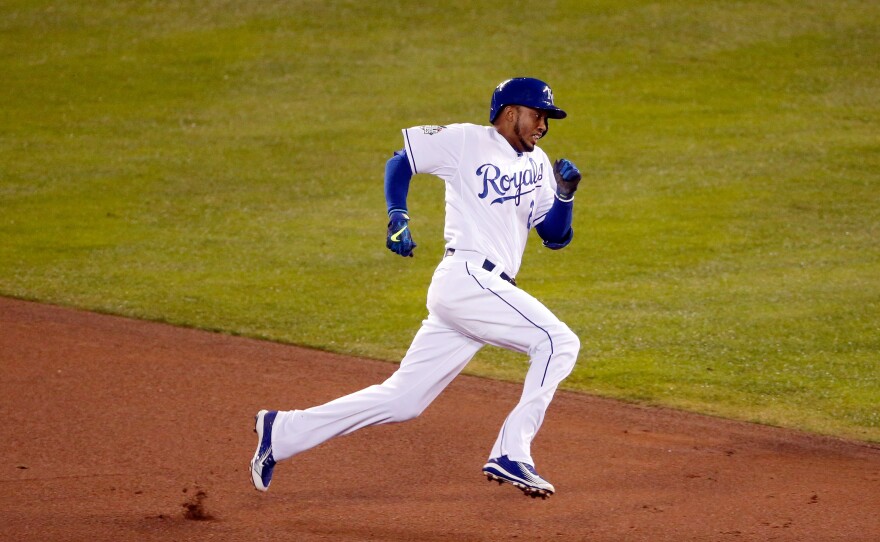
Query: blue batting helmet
{"x": 525, "y": 91}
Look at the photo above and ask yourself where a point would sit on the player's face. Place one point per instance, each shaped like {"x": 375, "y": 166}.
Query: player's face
{"x": 529, "y": 126}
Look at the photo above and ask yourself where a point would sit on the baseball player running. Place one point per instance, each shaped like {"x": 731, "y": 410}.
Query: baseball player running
{"x": 499, "y": 186}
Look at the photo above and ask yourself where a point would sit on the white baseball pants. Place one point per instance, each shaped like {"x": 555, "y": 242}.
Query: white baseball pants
{"x": 468, "y": 307}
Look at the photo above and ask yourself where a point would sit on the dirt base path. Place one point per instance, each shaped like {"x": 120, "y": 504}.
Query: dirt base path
{"x": 115, "y": 429}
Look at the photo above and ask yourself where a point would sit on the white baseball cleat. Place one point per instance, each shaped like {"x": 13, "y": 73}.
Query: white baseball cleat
{"x": 263, "y": 463}
{"x": 518, "y": 474}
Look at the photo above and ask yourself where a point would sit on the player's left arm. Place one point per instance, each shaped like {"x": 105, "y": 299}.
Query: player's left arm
{"x": 555, "y": 229}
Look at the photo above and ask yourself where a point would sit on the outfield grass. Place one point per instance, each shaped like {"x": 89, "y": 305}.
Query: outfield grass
{"x": 219, "y": 165}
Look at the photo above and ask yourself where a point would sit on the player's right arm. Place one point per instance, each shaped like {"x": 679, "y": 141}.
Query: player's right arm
{"x": 398, "y": 173}
{"x": 428, "y": 149}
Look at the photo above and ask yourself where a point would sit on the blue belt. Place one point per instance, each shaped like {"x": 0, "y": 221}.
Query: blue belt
{"x": 488, "y": 266}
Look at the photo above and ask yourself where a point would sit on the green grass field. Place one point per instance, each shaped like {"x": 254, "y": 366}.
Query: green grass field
{"x": 219, "y": 165}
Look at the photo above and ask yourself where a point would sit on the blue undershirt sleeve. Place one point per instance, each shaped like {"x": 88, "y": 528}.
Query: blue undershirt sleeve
{"x": 555, "y": 229}
{"x": 397, "y": 176}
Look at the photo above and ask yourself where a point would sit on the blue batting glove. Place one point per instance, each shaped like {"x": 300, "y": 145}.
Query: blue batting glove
{"x": 399, "y": 238}
{"x": 567, "y": 179}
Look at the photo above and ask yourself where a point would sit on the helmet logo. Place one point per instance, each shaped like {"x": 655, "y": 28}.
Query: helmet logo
{"x": 549, "y": 93}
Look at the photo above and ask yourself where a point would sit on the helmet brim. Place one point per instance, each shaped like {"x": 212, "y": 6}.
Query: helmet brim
{"x": 555, "y": 113}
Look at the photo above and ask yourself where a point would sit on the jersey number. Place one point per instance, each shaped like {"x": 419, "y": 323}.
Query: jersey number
{"x": 531, "y": 212}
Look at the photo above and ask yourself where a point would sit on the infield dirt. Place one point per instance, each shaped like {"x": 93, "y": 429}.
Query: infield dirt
{"x": 118, "y": 429}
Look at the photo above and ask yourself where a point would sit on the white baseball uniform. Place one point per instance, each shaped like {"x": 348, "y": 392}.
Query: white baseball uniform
{"x": 494, "y": 197}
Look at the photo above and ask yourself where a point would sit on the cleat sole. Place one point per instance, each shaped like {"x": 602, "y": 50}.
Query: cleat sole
{"x": 528, "y": 491}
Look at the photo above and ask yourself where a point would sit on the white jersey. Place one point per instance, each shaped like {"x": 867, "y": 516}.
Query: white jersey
{"x": 494, "y": 195}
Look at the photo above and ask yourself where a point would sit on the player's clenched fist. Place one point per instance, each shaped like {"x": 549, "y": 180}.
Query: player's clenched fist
{"x": 567, "y": 179}
{"x": 399, "y": 239}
